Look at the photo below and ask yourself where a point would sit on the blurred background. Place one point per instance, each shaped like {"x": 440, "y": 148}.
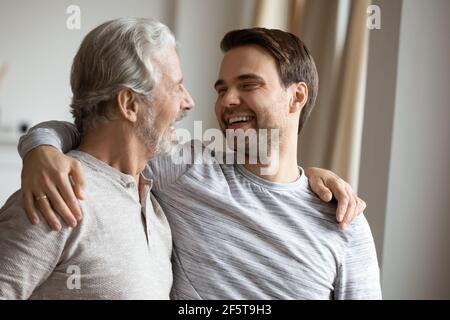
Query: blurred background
{"x": 381, "y": 120}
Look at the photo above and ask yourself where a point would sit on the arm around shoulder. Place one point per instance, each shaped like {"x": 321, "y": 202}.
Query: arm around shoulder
{"x": 60, "y": 134}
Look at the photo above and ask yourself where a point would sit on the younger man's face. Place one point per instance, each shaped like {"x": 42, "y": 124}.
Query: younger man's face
{"x": 249, "y": 91}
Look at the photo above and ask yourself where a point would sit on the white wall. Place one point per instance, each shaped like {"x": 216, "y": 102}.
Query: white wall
{"x": 405, "y": 173}
{"x": 417, "y": 240}
{"x": 378, "y": 117}
{"x": 39, "y": 48}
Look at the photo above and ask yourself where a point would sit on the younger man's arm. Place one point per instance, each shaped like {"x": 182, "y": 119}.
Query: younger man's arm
{"x": 47, "y": 171}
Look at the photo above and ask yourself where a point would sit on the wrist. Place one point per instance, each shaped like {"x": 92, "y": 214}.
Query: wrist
{"x": 42, "y": 148}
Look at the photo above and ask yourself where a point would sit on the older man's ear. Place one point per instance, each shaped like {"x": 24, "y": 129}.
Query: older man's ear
{"x": 128, "y": 105}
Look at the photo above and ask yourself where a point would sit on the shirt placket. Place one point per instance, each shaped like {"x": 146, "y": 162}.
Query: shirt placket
{"x": 146, "y": 186}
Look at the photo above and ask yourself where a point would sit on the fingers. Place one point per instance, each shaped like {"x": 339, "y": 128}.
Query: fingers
{"x": 355, "y": 208}
{"x": 30, "y": 209}
{"x": 58, "y": 205}
{"x": 77, "y": 180}
{"x": 349, "y": 205}
{"x": 49, "y": 214}
{"x": 319, "y": 188}
{"x": 339, "y": 191}
{"x": 67, "y": 193}
{"x": 360, "y": 206}
{"x": 350, "y": 214}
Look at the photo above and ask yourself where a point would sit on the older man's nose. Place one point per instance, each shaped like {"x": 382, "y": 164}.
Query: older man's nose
{"x": 187, "y": 103}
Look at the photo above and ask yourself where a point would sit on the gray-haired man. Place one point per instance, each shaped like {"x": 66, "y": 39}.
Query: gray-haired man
{"x": 123, "y": 246}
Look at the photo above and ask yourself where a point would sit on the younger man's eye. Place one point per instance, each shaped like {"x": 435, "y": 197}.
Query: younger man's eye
{"x": 221, "y": 91}
{"x": 250, "y": 86}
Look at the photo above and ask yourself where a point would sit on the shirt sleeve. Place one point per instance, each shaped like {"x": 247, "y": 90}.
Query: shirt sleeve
{"x": 359, "y": 275}
{"x": 28, "y": 253}
{"x": 60, "y": 134}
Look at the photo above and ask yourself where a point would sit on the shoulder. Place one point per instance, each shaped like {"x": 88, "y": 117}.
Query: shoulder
{"x": 359, "y": 228}
{"x": 82, "y": 158}
{"x": 15, "y": 226}
{"x": 92, "y": 172}
{"x": 359, "y": 232}
{"x": 311, "y": 200}
{"x": 13, "y": 214}
{"x": 28, "y": 253}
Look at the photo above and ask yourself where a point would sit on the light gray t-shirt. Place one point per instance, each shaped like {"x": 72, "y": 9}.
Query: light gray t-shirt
{"x": 238, "y": 236}
{"x": 120, "y": 250}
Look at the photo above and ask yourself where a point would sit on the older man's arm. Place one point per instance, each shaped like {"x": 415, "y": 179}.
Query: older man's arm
{"x": 28, "y": 254}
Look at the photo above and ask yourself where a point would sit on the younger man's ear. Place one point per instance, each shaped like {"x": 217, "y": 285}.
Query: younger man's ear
{"x": 300, "y": 96}
{"x": 127, "y": 105}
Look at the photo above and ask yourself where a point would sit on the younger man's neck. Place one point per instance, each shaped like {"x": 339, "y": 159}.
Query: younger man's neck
{"x": 281, "y": 170}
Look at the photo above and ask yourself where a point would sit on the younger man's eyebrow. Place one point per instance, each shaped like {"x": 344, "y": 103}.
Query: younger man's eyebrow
{"x": 250, "y": 76}
{"x": 219, "y": 82}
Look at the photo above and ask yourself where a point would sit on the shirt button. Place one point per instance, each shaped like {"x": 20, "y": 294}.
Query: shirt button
{"x": 130, "y": 185}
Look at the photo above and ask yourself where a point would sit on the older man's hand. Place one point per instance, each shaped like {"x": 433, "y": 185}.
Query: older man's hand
{"x": 326, "y": 184}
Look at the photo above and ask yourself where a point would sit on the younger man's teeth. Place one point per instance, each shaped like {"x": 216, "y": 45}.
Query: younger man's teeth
{"x": 237, "y": 119}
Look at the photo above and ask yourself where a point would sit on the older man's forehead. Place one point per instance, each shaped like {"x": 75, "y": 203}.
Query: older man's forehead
{"x": 169, "y": 66}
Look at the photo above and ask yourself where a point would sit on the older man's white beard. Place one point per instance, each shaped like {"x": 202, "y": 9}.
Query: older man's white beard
{"x": 146, "y": 132}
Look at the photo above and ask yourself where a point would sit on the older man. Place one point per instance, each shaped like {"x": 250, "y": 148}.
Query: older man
{"x": 232, "y": 237}
{"x": 121, "y": 79}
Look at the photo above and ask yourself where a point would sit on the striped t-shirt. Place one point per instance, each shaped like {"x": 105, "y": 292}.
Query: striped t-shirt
{"x": 238, "y": 236}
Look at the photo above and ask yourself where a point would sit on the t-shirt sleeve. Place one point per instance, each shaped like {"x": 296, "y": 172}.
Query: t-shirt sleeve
{"x": 28, "y": 253}
{"x": 62, "y": 135}
{"x": 359, "y": 275}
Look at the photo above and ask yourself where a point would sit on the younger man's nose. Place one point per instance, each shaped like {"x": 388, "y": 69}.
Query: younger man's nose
{"x": 230, "y": 98}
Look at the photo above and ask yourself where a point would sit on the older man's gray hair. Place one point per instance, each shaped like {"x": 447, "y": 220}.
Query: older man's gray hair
{"x": 117, "y": 54}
